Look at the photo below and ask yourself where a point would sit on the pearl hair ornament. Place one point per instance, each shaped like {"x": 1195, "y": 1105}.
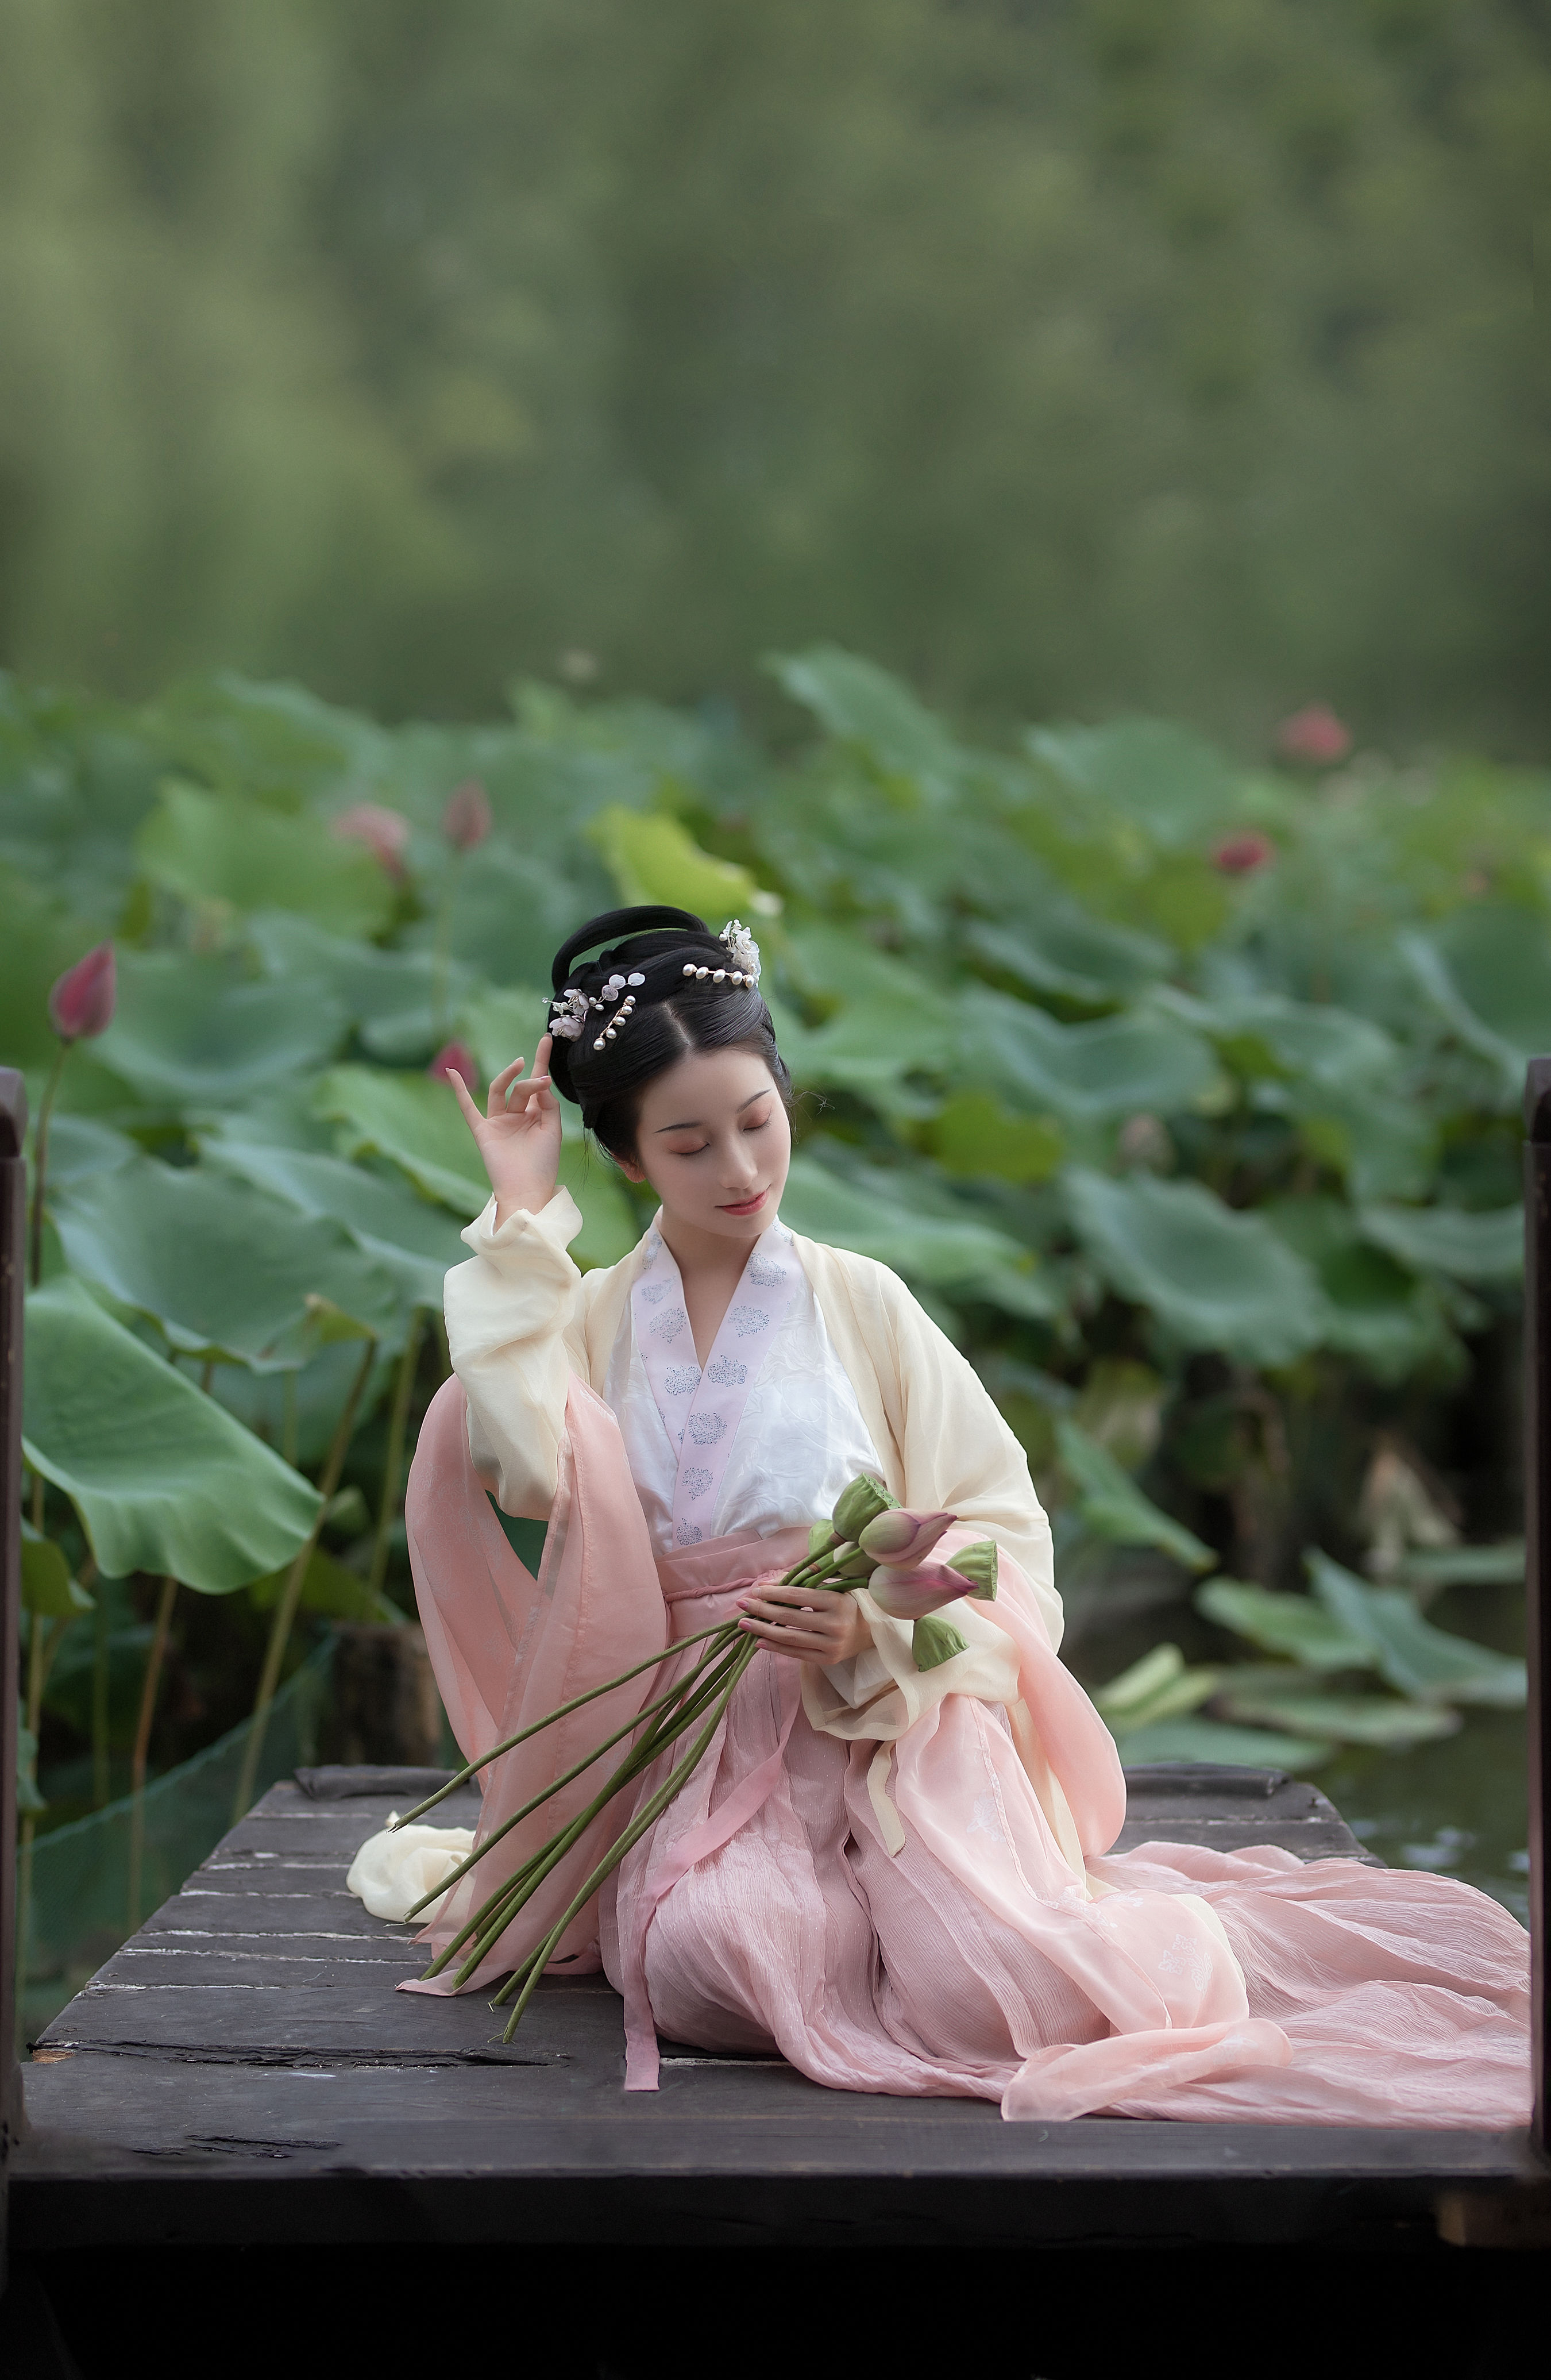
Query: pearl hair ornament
{"x": 616, "y": 1000}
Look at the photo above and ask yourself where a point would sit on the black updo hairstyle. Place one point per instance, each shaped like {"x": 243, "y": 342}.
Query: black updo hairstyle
{"x": 674, "y": 1012}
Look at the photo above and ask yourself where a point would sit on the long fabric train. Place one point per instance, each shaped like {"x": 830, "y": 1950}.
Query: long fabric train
{"x": 936, "y": 1914}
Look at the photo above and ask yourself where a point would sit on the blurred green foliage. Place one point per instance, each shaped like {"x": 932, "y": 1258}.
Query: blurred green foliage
{"x": 1184, "y": 1096}
{"x": 1071, "y": 357}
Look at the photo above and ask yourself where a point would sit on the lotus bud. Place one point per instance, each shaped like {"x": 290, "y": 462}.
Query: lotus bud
{"x": 977, "y": 1565}
{"x": 455, "y": 1058}
{"x": 860, "y": 1503}
{"x": 1240, "y": 854}
{"x": 904, "y": 1537}
{"x": 81, "y": 1004}
{"x": 855, "y": 1566}
{"x": 385, "y": 833}
{"x": 933, "y": 1640}
{"x": 467, "y": 819}
{"x": 1315, "y": 735}
{"x": 911, "y": 1593}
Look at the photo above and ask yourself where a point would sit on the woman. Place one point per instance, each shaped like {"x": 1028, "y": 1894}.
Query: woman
{"x": 896, "y": 1880}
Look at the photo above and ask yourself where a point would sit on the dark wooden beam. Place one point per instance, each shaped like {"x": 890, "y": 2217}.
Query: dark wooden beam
{"x": 1537, "y": 1531}
{"x": 13, "y": 1218}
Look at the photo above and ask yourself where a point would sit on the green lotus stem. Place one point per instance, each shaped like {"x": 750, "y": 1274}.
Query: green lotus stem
{"x": 289, "y": 1432}
{"x": 286, "y": 1609}
{"x": 722, "y": 1698}
{"x": 632, "y": 1835}
{"x": 40, "y": 1164}
{"x": 102, "y": 1777}
{"x": 674, "y": 1695}
{"x": 392, "y": 1461}
{"x": 142, "y": 1742}
{"x": 654, "y": 1662}
{"x": 491, "y": 1919}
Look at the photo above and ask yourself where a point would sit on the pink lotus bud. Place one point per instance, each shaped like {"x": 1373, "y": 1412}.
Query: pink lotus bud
{"x": 455, "y": 1058}
{"x": 467, "y": 819}
{"x": 902, "y": 1538}
{"x": 81, "y": 1004}
{"x": 1240, "y": 854}
{"x": 385, "y": 832}
{"x": 911, "y": 1593}
{"x": 1314, "y": 736}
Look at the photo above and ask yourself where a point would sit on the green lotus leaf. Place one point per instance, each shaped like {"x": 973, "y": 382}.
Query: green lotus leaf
{"x": 863, "y": 705}
{"x": 974, "y": 1135}
{"x": 1234, "y": 1747}
{"x": 419, "y": 1125}
{"x": 1487, "y": 972}
{"x": 1413, "y": 1655}
{"x": 1466, "y": 1245}
{"x": 1294, "y": 1625}
{"x": 42, "y": 939}
{"x": 1172, "y": 785}
{"x": 1112, "y": 1506}
{"x": 1115, "y": 1066}
{"x": 1431, "y": 1567}
{"x": 389, "y": 996}
{"x": 652, "y": 858}
{"x": 962, "y": 1259}
{"x": 218, "y": 848}
{"x": 1158, "y": 1686}
{"x": 1212, "y": 1277}
{"x": 193, "y": 1029}
{"x": 411, "y": 1237}
{"x": 1377, "y": 1309}
{"x": 47, "y": 1589}
{"x": 226, "y": 1273}
{"x": 330, "y": 1591}
{"x": 162, "y": 1477}
{"x": 1063, "y": 950}
{"x": 1282, "y": 1698}
{"x": 79, "y": 1145}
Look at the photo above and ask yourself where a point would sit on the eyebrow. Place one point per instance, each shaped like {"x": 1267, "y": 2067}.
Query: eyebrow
{"x": 694, "y": 1124}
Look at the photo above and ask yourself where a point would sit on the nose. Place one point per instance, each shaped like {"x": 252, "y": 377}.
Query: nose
{"x": 738, "y": 1167}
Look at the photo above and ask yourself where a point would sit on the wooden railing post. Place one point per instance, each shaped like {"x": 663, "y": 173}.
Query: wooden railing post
{"x": 12, "y": 1222}
{"x": 1537, "y": 1531}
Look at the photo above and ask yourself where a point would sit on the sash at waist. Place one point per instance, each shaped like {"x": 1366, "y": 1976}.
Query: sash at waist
{"x": 699, "y": 1585}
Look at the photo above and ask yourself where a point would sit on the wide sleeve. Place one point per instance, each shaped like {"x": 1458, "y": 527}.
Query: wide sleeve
{"x": 514, "y": 1332}
{"x": 956, "y": 1444}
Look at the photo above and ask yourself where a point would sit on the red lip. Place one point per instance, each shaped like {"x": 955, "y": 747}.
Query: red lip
{"x": 750, "y": 1206}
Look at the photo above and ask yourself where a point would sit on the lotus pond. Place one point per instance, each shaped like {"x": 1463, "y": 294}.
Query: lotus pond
{"x": 1185, "y": 1095}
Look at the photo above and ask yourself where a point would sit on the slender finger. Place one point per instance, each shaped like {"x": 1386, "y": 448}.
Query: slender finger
{"x": 501, "y": 1090}
{"x": 471, "y": 1113}
{"x": 539, "y": 1083}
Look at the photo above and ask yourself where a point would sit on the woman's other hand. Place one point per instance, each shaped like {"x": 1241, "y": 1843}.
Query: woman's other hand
{"x": 809, "y": 1623}
{"x": 518, "y": 1136}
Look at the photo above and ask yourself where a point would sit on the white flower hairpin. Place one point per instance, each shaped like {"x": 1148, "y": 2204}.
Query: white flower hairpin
{"x": 742, "y": 948}
{"x": 568, "y": 1015}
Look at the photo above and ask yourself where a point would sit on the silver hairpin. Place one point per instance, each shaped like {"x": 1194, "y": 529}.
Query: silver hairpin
{"x": 743, "y": 948}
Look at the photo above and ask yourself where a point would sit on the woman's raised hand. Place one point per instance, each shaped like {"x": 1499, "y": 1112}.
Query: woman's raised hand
{"x": 517, "y": 1137}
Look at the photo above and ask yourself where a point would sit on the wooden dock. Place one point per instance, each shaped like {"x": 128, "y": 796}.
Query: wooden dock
{"x": 243, "y": 2071}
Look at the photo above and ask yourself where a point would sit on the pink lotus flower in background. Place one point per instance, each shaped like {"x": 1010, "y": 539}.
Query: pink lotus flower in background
{"x": 81, "y": 1004}
{"x": 467, "y": 819}
{"x": 455, "y": 1058}
{"x": 901, "y": 1539}
{"x": 911, "y": 1593}
{"x": 385, "y": 832}
{"x": 1240, "y": 854}
{"x": 1315, "y": 736}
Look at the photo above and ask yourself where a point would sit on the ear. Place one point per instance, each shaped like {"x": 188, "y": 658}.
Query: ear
{"x": 628, "y": 1167}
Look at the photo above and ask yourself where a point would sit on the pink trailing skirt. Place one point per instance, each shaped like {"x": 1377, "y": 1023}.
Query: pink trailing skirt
{"x": 1001, "y": 1952}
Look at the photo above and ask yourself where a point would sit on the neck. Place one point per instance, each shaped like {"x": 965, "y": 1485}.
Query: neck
{"x": 703, "y": 1256}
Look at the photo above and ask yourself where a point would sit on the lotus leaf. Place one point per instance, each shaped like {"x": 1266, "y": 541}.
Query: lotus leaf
{"x": 226, "y": 1273}
{"x": 42, "y": 939}
{"x": 1452, "y": 1240}
{"x": 1112, "y": 1506}
{"x": 388, "y": 995}
{"x": 196, "y": 1030}
{"x": 1061, "y": 950}
{"x": 218, "y": 848}
{"x": 1233, "y": 1747}
{"x": 48, "y": 1591}
{"x": 965, "y": 1258}
{"x": 1413, "y": 1655}
{"x": 1291, "y": 1624}
{"x": 331, "y": 1592}
{"x": 1487, "y": 971}
{"x": 654, "y": 859}
{"x": 410, "y": 1237}
{"x": 864, "y": 706}
{"x": 1284, "y": 1699}
{"x": 974, "y": 1135}
{"x": 1113, "y": 1068}
{"x": 1158, "y": 1686}
{"x": 162, "y": 1478}
{"x": 1214, "y": 1278}
{"x": 1166, "y": 780}
{"x": 1376, "y": 1308}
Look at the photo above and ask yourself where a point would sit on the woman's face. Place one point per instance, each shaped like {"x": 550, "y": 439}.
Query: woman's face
{"x": 714, "y": 1141}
